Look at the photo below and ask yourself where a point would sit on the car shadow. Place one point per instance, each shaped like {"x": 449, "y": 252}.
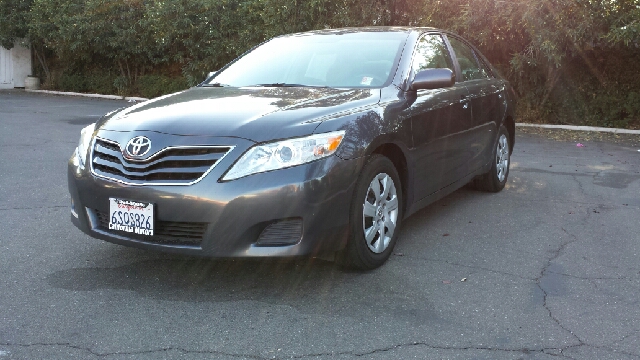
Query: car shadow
{"x": 311, "y": 285}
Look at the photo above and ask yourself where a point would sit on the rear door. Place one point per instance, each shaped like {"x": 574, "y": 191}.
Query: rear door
{"x": 485, "y": 96}
{"x": 440, "y": 120}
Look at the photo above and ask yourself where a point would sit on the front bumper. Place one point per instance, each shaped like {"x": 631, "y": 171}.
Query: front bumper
{"x": 235, "y": 213}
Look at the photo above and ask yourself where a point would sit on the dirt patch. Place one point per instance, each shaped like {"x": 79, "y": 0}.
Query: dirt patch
{"x": 582, "y": 136}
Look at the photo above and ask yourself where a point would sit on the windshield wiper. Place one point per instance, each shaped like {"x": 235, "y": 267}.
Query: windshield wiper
{"x": 217, "y": 84}
{"x": 278, "y": 85}
{"x": 288, "y": 85}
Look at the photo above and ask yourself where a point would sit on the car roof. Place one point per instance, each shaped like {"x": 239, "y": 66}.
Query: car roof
{"x": 347, "y": 30}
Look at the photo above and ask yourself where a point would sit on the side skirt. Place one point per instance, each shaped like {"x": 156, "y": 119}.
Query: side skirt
{"x": 445, "y": 191}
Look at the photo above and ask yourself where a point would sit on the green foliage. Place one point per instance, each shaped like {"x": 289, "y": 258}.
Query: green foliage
{"x": 610, "y": 99}
{"x": 624, "y": 27}
{"x": 151, "y": 86}
{"x": 570, "y": 61}
{"x": 75, "y": 83}
{"x": 557, "y": 50}
{"x": 91, "y": 82}
{"x": 13, "y": 23}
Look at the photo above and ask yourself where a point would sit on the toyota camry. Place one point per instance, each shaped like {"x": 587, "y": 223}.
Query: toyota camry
{"x": 310, "y": 144}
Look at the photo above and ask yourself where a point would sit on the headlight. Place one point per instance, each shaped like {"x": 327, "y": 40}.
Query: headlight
{"x": 83, "y": 144}
{"x": 285, "y": 153}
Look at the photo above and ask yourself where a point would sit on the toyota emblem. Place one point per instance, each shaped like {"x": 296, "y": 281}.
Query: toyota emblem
{"x": 138, "y": 146}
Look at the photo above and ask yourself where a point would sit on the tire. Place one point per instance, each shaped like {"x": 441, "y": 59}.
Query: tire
{"x": 496, "y": 178}
{"x": 368, "y": 246}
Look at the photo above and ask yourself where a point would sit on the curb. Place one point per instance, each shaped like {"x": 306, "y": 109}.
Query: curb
{"x": 99, "y": 96}
{"x": 581, "y": 128}
{"x": 133, "y": 98}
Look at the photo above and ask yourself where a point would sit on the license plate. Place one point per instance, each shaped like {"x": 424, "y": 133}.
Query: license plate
{"x": 131, "y": 216}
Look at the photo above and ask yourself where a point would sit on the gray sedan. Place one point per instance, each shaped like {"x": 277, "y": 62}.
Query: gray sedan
{"x": 309, "y": 144}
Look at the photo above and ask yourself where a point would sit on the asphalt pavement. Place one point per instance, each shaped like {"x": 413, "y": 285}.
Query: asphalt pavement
{"x": 548, "y": 268}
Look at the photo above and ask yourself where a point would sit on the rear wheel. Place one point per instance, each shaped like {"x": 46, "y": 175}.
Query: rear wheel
{"x": 496, "y": 178}
{"x": 376, "y": 213}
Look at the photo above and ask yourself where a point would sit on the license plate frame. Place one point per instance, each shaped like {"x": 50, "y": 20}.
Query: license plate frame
{"x": 131, "y": 216}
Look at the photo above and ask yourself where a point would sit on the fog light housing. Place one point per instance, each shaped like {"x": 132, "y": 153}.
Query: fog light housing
{"x": 281, "y": 233}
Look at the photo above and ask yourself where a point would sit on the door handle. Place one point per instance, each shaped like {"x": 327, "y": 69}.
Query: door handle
{"x": 465, "y": 100}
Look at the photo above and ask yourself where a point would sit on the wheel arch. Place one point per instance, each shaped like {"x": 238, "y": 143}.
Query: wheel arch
{"x": 394, "y": 153}
{"x": 510, "y": 124}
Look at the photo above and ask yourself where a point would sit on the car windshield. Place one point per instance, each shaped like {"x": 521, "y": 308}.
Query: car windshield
{"x": 343, "y": 60}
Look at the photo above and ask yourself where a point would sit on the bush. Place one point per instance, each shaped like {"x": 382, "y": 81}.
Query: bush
{"x": 101, "y": 84}
{"x": 151, "y": 86}
{"x": 73, "y": 82}
{"x": 92, "y": 82}
{"x": 148, "y": 86}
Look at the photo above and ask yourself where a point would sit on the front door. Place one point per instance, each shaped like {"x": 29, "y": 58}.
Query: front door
{"x": 440, "y": 120}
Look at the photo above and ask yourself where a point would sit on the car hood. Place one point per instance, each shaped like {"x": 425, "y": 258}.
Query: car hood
{"x": 257, "y": 114}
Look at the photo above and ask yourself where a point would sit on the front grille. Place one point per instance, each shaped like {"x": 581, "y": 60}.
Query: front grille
{"x": 164, "y": 232}
{"x": 170, "y": 166}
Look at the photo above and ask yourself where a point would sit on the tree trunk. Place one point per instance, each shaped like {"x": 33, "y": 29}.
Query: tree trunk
{"x": 553, "y": 75}
{"x": 43, "y": 62}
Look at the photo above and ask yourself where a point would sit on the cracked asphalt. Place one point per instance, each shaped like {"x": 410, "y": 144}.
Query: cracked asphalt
{"x": 551, "y": 267}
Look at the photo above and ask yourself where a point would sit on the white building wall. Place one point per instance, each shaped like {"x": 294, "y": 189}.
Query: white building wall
{"x": 21, "y": 65}
{"x": 6, "y": 69}
{"x": 15, "y": 66}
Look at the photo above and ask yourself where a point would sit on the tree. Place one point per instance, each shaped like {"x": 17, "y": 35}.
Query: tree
{"x": 13, "y": 23}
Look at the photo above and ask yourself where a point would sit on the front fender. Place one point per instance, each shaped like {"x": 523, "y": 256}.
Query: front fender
{"x": 365, "y": 131}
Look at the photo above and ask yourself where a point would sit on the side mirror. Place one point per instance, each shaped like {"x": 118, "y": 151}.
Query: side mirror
{"x": 433, "y": 79}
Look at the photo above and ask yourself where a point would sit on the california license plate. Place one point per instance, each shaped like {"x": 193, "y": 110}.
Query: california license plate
{"x": 131, "y": 216}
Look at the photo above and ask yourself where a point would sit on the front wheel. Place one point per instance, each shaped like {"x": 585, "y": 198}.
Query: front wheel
{"x": 376, "y": 213}
{"x": 496, "y": 178}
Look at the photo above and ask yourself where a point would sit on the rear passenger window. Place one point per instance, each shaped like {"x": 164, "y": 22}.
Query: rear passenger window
{"x": 431, "y": 53}
{"x": 467, "y": 60}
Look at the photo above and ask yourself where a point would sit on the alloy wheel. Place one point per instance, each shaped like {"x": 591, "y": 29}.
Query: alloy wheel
{"x": 502, "y": 157}
{"x": 380, "y": 213}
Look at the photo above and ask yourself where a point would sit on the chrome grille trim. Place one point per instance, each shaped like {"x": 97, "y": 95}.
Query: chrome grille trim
{"x": 101, "y": 154}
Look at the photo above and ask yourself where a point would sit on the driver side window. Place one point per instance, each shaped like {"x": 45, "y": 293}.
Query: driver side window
{"x": 431, "y": 53}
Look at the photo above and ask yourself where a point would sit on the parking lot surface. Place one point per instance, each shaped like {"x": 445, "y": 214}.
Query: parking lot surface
{"x": 548, "y": 268}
